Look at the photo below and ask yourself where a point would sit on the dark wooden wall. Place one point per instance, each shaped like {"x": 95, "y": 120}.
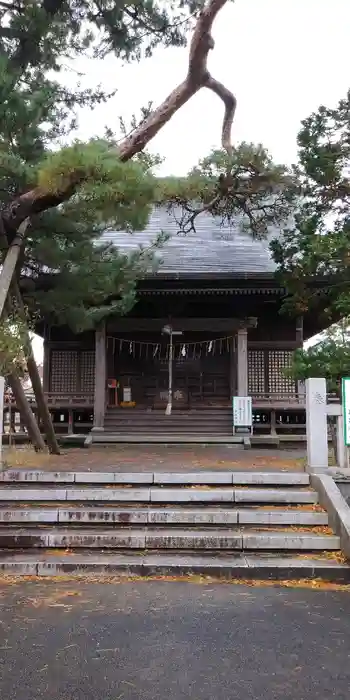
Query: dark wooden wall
{"x": 69, "y": 359}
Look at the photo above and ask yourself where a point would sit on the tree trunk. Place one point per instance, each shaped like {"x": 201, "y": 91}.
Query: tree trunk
{"x": 34, "y": 376}
{"x": 7, "y": 279}
{"x": 26, "y": 413}
{"x": 10, "y": 263}
{"x": 42, "y": 406}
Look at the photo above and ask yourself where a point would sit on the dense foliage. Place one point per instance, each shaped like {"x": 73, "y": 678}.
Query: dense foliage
{"x": 245, "y": 186}
{"x": 318, "y": 246}
{"x": 61, "y": 265}
{"x": 82, "y": 189}
{"x": 13, "y": 334}
{"x": 329, "y": 358}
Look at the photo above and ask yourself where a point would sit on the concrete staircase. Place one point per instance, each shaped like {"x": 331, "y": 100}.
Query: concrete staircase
{"x": 229, "y": 524}
{"x": 209, "y": 424}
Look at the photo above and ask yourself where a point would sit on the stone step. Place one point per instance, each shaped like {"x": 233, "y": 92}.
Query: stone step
{"x": 186, "y": 425}
{"x": 149, "y": 538}
{"x": 114, "y": 437}
{"x": 159, "y": 495}
{"x": 199, "y": 410}
{"x": 227, "y": 566}
{"x": 144, "y": 516}
{"x": 159, "y": 478}
{"x": 217, "y": 431}
{"x": 163, "y": 421}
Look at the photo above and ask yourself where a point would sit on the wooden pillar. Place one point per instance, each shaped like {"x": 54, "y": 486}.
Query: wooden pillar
{"x": 242, "y": 362}
{"x": 232, "y": 367}
{"x": 70, "y": 422}
{"x": 299, "y": 331}
{"x": 100, "y": 377}
{"x": 299, "y": 339}
{"x": 273, "y": 422}
{"x": 47, "y": 361}
{"x": 46, "y": 367}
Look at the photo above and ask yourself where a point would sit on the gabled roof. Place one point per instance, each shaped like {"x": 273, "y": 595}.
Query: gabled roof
{"x": 213, "y": 250}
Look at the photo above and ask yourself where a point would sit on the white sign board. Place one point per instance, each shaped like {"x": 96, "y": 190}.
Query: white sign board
{"x": 242, "y": 412}
{"x": 127, "y": 394}
{"x": 346, "y": 409}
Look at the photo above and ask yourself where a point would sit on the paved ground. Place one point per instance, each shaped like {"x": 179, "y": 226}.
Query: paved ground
{"x": 157, "y": 458}
{"x": 159, "y": 640}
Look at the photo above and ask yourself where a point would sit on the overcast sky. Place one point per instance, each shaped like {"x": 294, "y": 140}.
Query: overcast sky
{"x": 281, "y": 58}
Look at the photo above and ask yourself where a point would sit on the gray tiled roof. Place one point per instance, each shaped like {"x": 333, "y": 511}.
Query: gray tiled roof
{"x": 212, "y": 251}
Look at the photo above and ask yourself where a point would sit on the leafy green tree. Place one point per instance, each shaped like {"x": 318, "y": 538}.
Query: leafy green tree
{"x": 69, "y": 195}
{"x": 65, "y": 271}
{"x": 243, "y": 184}
{"x": 36, "y": 114}
{"x": 91, "y": 174}
{"x": 12, "y": 339}
{"x": 329, "y": 358}
{"x": 57, "y": 199}
{"x": 313, "y": 256}
{"x": 66, "y": 196}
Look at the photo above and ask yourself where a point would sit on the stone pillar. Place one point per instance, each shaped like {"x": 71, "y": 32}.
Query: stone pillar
{"x": 2, "y": 389}
{"x": 100, "y": 377}
{"x": 242, "y": 362}
{"x": 316, "y": 424}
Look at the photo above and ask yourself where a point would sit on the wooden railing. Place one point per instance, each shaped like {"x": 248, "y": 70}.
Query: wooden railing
{"x": 70, "y": 413}
{"x": 86, "y": 400}
{"x": 62, "y": 400}
{"x": 274, "y": 413}
{"x": 278, "y": 399}
{"x": 59, "y": 400}
{"x": 285, "y": 400}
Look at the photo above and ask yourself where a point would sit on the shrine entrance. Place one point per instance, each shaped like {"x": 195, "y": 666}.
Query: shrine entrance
{"x": 200, "y": 376}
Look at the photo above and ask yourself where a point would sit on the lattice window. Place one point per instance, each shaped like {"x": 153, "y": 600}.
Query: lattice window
{"x": 279, "y": 360}
{"x": 64, "y": 371}
{"x": 87, "y": 371}
{"x": 256, "y": 372}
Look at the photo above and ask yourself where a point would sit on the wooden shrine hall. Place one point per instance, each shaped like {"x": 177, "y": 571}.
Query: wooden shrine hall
{"x": 216, "y": 290}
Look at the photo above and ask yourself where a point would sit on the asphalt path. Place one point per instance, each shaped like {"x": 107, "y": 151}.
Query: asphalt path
{"x": 172, "y": 640}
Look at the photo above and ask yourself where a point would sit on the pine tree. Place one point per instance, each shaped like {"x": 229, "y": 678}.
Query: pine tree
{"x": 313, "y": 256}
{"x": 56, "y": 201}
{"x": 35, "y": 113}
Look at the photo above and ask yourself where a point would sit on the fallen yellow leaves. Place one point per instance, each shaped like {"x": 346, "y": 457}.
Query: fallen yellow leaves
{"x": 315, "y": 529}
{"x": 98, "y": 458}
{"x": 53, "y": 601}
{"x": 337, "y": 556}
{"x": 306, "y": 507}
{"x": 56, "y": 599}
{"x": 26, "y": 457}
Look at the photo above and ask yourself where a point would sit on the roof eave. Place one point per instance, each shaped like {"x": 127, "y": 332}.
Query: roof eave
{"x": 211, "y": 275}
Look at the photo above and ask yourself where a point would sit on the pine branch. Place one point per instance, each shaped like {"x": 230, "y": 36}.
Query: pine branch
{"x": 198, "y": 76}
{"x": 26, "y": 50}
